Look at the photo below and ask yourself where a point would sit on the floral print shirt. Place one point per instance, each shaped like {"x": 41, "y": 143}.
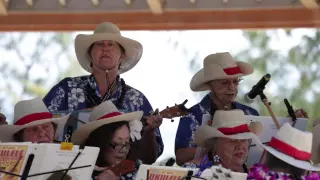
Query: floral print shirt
{"x": 82, "y": 92}
{"x": 189, "y": 124}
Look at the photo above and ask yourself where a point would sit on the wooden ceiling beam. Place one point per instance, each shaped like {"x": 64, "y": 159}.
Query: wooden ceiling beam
{"x": 156, "y": 6}
{"x": 169, "y": 20}
{"x": 4, "y": 7}
{"x": 312, "y": 4}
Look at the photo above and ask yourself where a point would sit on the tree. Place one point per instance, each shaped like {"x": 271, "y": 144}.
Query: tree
{"x": 192, "y": 56}
{"x": 31, "y": 63}
{"x": 295, "y": 74}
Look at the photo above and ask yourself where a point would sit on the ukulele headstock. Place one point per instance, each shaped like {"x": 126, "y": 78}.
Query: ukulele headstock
{"x": 177, "y": 110}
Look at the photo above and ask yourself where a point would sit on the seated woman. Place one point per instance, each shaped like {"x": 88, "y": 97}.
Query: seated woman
{"x": 226, "y": 141}
{"x": 288, "y": 156}
{"x": 113, "y": 132}
{"x": 32, "y": 123}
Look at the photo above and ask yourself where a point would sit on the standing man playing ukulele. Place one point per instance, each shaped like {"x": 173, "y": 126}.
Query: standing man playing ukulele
{"x": 106, "y": 54}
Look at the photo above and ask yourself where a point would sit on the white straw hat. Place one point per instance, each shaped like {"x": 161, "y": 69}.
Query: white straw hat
{"x": 30, "y": 113}
{"x": 228, "y": 124}
{"x": 293, "y": 147}
{"x": 108, "y": 31}
{"x": 218, "y": 66}
{"x": 106, "y": 113}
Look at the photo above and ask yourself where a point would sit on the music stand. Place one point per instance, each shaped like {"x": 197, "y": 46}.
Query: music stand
{"x": 25, "y": 173}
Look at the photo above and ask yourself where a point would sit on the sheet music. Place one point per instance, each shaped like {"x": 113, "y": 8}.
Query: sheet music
{"x": 13, "y": 157}
{"x": 162, "y": 172}
{"x": 49, "y": 157}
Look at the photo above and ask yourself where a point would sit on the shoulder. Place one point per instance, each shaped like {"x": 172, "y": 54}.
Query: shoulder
{"x": 131, "y": 91}
{"x": 247, "y": 109}
{"x": 203, "y": 107}
{"x": 70, "y": 82}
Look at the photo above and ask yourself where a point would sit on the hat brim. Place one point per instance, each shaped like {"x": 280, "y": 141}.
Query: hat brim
{"x": 199, "y": 80}
{"x": 82, "y": 133}
{"x": 133, "y": 50}
{"x": 205, "y": 132}
{"x": 292, "y": 161}
{"x": 7, "y": 131}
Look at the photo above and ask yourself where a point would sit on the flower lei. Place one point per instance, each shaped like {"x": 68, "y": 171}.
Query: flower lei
{"x": 135, "y": 129}
{"x": 261, "y": 172}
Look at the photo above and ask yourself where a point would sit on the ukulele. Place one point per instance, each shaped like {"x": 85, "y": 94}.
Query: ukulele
{"x": 177, "y": 110}
{"x": 123, "y": 168}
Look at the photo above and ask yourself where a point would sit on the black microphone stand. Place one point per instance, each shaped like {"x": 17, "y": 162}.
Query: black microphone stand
{"x": 291, "y": 112}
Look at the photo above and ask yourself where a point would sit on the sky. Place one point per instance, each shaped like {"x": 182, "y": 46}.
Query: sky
{"x": 163, "y": 73}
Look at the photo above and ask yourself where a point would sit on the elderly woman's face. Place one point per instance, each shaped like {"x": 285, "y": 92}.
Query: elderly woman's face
{"x": 233, "y": 153}
{"x": 226, "y": 89}
{"x": 119, "y": 146}
{"x": 43, "y": 133}
{"x": 106, "y": 55}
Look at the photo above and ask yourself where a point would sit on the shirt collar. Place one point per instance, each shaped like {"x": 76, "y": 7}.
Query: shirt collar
{"x": 93, "y": 84}
{"x": 206, "y": 102}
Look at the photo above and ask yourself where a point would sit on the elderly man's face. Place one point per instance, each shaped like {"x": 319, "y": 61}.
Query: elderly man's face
{"x": 106, "y": 55}
{"x": 226, "y": 89}
{"x": 233, "y": 153}
{"x": 43, "y": 133}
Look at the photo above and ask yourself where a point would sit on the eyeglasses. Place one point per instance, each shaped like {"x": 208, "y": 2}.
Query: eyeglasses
{"x": 227, "y": 82}
{"x": 116, "y": 146}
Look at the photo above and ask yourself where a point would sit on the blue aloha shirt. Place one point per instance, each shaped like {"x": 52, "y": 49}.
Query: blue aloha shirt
{"x": 185, "y": 136}
{"x": 70, "y": 95}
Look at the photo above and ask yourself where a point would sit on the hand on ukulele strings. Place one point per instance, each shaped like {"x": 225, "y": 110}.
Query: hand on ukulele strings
{"x": 107, "y": 175}
{"x": 152, "y": 122}
{"x": 300, "y": 113}
{"x": 3, "y": 119}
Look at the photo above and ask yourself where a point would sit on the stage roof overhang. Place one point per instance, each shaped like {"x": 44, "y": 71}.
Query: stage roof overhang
{"x": 72, "y": 15}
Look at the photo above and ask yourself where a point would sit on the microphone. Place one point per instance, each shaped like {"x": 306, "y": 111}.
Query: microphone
{"x": 291, "y": 112}
{"x": 256, "y": 89}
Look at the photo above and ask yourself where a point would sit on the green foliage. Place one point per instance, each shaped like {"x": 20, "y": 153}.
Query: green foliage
{"x": 28, "y": 62}
{"x": 302, "y": 59}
